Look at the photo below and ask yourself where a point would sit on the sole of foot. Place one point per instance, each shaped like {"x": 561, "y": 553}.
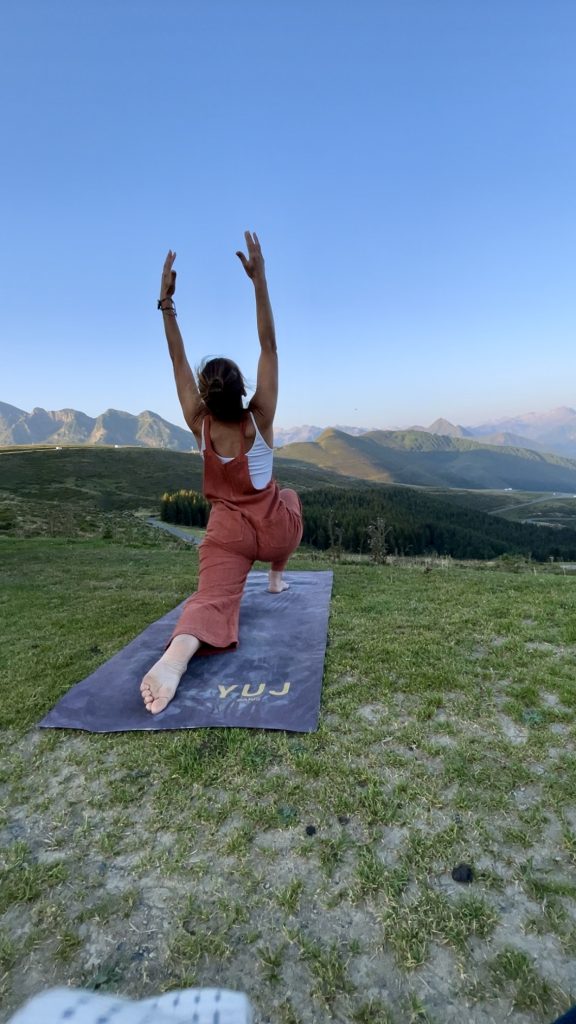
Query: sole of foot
{"x": 160, "y": 684}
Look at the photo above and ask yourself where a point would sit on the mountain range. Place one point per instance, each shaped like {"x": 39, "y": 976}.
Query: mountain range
{"x": 113, "y": 427}
{"x": 553, "y": 431}
{"x": 420, "y": 458}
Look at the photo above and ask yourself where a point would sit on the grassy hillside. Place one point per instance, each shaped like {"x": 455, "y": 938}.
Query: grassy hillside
{"x": 122, "y": 478}
{"x": 106, "y": 478}
{"x": 119, "y": 478}
{"x": 486, "y": 501}
{"x": 430, "y": 460}
{"x": 545, "y": 512}
{"x": 530, "y": 507}
{"x": 57, "y": 491}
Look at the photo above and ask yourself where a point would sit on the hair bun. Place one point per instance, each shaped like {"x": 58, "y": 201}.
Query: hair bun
{"x": 221, "y": 386}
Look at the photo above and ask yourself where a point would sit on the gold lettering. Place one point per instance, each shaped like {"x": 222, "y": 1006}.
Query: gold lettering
{"x": 283, "y": 691}
{"x": 246, "y": 692}
{"x": 225, "y": 690}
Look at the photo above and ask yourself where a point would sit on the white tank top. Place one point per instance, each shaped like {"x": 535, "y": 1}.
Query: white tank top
{"x": 260, "y": 458}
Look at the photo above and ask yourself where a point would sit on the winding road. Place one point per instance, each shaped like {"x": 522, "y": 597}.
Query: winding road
{"x": 523, "y": 504}
{"x": 175, "y": 530}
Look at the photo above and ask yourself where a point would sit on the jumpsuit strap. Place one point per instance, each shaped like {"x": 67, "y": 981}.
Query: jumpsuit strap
{"x": 206, "y": 433}
{"x": 243, "y": 424}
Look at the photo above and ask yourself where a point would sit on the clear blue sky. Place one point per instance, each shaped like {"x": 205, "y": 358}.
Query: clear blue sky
{"x": 409, "y": 166}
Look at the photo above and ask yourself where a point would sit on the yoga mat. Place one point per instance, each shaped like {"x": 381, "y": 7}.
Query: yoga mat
{"x": 272, "y": 680}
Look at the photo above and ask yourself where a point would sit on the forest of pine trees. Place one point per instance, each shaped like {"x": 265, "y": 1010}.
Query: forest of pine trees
{"x": 415, "y": 524}
{"x": 189, "y": 508}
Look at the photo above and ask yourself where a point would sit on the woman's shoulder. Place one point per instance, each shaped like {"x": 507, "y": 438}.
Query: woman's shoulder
{"x": 198, "y": 426}
{"x": 264, "y": 425}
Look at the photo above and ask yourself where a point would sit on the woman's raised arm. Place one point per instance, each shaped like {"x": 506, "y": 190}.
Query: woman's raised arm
{"x": 263, "y": 402}
{"x": 192, "y": 404}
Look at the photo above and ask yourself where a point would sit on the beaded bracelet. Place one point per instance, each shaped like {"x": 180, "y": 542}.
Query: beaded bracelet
{"x": 170, "y": 310}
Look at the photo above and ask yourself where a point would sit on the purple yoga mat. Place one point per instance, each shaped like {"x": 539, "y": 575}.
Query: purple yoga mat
{"x": 272, "y": 680}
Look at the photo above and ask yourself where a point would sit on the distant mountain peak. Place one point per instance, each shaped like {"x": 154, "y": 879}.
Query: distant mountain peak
{"x": 10, "y": 413}
{"x": 331, "y": 432}
{"x": 447, "y": 429}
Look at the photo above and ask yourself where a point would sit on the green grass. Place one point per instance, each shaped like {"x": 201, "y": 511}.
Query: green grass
{"x": 288, "y": 898}
{"x": 411, "y": 924}
{"x": 328, "y": 966}
{"x": 513, "y": 971}
{"x": 23, "y": 880}
{"x": 80, "y": 614}
{"x": 373, "y": 1012}
{"x": 183, "y": 857}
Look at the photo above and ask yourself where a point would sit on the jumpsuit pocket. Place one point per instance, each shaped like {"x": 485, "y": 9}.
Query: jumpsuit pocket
{"x": 225, "y": 525}
{"x": 275, "y": 532}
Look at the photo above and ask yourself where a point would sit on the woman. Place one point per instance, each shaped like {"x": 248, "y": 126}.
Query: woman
{"x": 250, "y": 517}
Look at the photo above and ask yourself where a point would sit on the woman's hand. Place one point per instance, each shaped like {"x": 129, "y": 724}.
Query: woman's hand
{"x": 168, "y": 281}
{"x": 254, "y": 265}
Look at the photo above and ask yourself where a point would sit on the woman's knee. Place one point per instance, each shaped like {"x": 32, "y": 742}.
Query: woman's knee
{"x": 291, "y": 499}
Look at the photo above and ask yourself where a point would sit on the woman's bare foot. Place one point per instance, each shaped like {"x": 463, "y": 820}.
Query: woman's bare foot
{"x": 275, "y": 582}
{"x": 161, "y": 682}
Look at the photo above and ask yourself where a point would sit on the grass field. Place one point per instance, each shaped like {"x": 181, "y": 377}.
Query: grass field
{"x": 144, "y": 862}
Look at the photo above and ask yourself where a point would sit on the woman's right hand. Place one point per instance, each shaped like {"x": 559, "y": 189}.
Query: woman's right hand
{"x": 168, "y": 281}
{"x": 254, "y": 265}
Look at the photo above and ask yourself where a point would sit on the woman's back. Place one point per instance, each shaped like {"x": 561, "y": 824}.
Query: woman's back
{"x": 226, "y": 437}
{"x": 248, "y": 438}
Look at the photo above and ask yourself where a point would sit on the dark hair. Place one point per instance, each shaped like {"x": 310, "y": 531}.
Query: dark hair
{"x": 222, "y": 388}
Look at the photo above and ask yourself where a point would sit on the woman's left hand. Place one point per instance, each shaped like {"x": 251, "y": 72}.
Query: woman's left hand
{"x": 168, "y": 280}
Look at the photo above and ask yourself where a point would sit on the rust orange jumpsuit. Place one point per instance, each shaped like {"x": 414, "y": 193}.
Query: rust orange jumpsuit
{"x": 245, "y": 524}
